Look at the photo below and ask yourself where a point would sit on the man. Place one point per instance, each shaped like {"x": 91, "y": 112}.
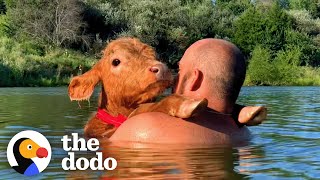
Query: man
{"x": 210, "y": 68}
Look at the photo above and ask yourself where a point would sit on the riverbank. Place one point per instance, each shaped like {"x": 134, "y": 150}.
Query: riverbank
{"x": 28, "y": 64}
{"x": 305, "y": 76}
{"x": 279, "y": 39}
{"x": 57, "y": 67}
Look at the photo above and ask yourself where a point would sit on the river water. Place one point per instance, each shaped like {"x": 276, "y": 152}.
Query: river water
{"x": 286, "y": 146}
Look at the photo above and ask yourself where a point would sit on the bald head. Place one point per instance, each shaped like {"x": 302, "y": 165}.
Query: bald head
{"x": 222, "y": 64}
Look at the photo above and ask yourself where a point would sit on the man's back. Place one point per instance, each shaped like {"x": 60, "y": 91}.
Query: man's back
{"x": 157, "y": 127}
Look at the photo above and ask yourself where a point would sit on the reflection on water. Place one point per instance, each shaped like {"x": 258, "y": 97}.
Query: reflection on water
{"x": 175, "y": 162}
{"x": 286, "y": 146}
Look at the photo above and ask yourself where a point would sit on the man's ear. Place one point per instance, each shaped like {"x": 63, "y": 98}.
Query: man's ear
{"x": 196, "y": 80}
{"x": 81, "y": 87}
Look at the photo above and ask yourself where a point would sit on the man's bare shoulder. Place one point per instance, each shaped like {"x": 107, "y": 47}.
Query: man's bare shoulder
{"x": 154, "y": 120}
{"x": 156, "y": 127}
{"x": 144, "y": 127}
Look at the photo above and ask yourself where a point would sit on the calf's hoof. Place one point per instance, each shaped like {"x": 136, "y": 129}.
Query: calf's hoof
{"x": 253, "y": 115}
{"x": 190, "y": 108}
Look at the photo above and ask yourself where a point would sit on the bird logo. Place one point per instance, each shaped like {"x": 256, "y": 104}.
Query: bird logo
{"x": 29, "y": 152}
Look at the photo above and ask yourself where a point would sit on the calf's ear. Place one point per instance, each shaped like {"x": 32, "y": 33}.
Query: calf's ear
{"x": 81, "y": 87}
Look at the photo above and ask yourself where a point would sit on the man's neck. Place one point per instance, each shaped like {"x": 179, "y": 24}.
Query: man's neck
{"x": 220, "y": 106}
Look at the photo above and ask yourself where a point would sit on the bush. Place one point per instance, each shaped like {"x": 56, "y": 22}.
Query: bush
{"x": 4, "y": 28}
{"x": 261, "y": 70}
{"x": 310, "y": 5}
{"x": 309, "y": 77}
{"x": 306, "y": 37}
{"x": 26, "y": 64}
{"x": 287, "y": 65}
{"x": 277, "y": 36}
{"x": 54, "y": 23}
{"x": 225, "y": 13}
{"x": 105, "y": 20}
{"x": 3, "y": 7}
{"x": 282, "y": 70}
{"x": 262, "y": 25}
{"x": 170, "y": 26}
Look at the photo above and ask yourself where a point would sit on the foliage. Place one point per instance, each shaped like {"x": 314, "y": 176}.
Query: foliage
{"x": 282, "y": 70}
{"x": 27, "y": 64}
{"x": 3, "y": 8}
{"x": 169, "y": 25}
{"x": 57, "y": 23}
{"x": 309, "y": 77}
{"x": 313, "y": 6}
{"x": 225, "y": 13}
{"x": 105, "y": 20}
{"x": 48, "y": 41}
{"x": 262, "y": 26}
{"x": 286, "y": 63}
{"x": 261, "y": 71}
{"x": 310, "y": 52}
{"x": 305, "y": 22}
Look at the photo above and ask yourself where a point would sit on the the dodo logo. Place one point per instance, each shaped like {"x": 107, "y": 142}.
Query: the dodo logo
{"x": 29, "y": 152}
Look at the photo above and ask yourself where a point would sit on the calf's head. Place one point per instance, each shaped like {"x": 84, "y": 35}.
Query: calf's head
{"x": 130, "y": 74}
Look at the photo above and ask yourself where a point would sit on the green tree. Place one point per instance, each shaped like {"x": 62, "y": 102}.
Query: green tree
{"x": 264, "y": 25}
{"x": 281, "y": 70}
{"x": 287, "y": 62}
{"x": 305, "y": 36}
{"x": 170, "y": 26}
{"x": 104, "y": 18}
{"x": 310, "y": 51}
{"x": 305, "y": 22}
{"x": 224, "y": 14}
{"x": 313, "y": 6}
{"x": 56, "y": 23}
{"x": 261, "y": 71}
{"x": 3, "y": 8}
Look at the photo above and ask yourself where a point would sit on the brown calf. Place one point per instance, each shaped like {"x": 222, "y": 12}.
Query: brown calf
{"x": 130, "y": 75}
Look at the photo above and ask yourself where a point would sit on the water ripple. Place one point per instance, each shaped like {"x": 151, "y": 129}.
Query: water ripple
{"x": 286, "y": 146}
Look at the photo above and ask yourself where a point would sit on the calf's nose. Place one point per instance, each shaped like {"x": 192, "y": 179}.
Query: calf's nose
{"x": 154, "y": 69}
{"x": 158, "y": 69}
{"x": 161, "y": 71}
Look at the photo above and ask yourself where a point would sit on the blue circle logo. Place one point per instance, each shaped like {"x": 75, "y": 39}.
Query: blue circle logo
{"x": 29, "y": 152}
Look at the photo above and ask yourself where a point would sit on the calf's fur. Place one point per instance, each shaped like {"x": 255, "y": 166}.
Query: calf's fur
{"x": 130, "y": 75}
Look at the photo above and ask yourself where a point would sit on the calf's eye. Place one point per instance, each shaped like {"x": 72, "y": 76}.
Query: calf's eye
{"x": 116, "y": 62}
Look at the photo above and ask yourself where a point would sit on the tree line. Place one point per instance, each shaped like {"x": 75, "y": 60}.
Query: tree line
{"x": 279, "y": 38}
